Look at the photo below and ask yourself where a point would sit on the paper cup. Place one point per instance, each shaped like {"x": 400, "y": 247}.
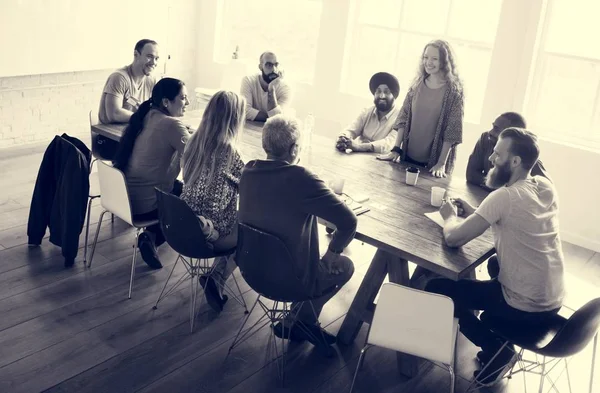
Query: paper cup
{"x": 411, "y": 177}
{"x": 437, "y": 196}
{"x": 337, "y": 186}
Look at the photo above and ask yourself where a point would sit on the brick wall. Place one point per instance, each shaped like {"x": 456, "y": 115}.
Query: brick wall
{"x": 34, "y": 108}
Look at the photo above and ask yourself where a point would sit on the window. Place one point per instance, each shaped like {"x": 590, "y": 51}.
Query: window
{"x": 389, "y": 35}
{"x": 290, "y": 28}
{"x": 563, "y": 96}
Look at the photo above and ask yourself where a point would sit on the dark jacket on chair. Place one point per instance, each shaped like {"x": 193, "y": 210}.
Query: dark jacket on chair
{"x": 60, "y": 195}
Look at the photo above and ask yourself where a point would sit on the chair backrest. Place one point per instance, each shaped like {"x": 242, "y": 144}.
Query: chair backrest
{"x": 414, "y": 322}
{"x": 267, "y": 265}
{"x": 576, "y": 333}
{"x": 113, "y": 189}
{"x": 181, "y": 227}
{"x": 93, "y": 116}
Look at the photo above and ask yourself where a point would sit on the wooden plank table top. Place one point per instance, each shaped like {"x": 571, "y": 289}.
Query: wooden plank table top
{"x": 396, "y": 221}
{"x": 395, "y": 224}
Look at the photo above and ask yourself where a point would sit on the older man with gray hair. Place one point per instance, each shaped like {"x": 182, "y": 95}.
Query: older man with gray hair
{"x": 285, "y": 199}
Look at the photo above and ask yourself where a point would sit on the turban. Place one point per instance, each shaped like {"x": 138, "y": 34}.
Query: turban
{"x": 383, "y": 78}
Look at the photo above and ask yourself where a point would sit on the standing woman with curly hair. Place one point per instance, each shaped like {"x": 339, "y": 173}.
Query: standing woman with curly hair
{"x": 429, "y": 123}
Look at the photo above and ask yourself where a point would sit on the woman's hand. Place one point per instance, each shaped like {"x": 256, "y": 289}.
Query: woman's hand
{"x": 391, "y": 156}
{"x": 439, "y": 170}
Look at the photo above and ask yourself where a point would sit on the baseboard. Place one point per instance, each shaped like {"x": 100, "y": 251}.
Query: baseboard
{"x": 581, "y": 241}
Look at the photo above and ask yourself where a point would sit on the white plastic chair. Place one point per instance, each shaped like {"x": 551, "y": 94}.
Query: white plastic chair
{"x": 94, "y": 187}
{"x": 416, "y": 323}
{"x": 115, "y": 199}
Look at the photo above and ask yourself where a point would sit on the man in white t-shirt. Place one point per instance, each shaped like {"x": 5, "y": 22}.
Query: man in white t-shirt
{"x": 128, "y": 87}
{"x": 267, "y": 94}
{"x": 523, "y": 215}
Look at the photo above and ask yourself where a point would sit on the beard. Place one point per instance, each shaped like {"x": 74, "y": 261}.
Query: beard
{"x": 498, "y": 176}
{"x": 269, "y": 77}
{"x": 383, "y": 105}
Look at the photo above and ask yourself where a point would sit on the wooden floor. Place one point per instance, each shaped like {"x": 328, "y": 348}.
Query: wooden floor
{"x": 75, "y": 330}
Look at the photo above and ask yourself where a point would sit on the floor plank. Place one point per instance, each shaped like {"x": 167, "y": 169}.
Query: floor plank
{"x": 65, "y": 330}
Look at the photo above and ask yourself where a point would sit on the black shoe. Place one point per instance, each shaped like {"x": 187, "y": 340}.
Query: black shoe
{"x": 501, "y": 365}
{"x": 314, "y": 334}
{"x": 148, "y": 251}
{"x": 280, "y": 332}
{"x": 211, "y": 292}
{"x": 69, "y": 262}
{"x": 483, "y": 357}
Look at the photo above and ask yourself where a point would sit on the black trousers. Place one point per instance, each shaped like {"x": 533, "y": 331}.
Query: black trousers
{"x": 155, "y": 229}
{"x": 469, "y": 295}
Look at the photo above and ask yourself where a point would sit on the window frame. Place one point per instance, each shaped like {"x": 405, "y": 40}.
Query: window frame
{"x": 355, "y": 28}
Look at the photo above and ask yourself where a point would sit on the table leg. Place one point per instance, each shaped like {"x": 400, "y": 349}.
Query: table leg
{"x": 408, "y": 365}
{"x": 362, "y": 305}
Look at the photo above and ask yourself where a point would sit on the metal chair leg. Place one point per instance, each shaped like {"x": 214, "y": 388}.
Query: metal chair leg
{"x": 594, "y": 347}
{"x": 452, "y": 378}
{"x": 237, "y": 336}
{"x": 243, "y": 301}
{"x": 361, "y": 359}
{"x": 542, "y": 375}
{"x": 568, "y": 376}
{"x": 166, "y": 282}
{"x": 96, "y": 238}
{"x": 87, "y": 230}
{"x": 193, "y": 292}
{"x": 135, "y": 247}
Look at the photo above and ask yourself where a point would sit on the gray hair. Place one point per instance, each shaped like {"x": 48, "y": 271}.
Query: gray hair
{"x": 280, "y": 133}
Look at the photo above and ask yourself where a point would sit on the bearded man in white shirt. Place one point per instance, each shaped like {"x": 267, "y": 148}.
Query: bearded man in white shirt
{"x": 267, "y": 94}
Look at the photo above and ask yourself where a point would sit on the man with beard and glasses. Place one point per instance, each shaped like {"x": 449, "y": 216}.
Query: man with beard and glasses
{"x": 479, "y": 164}
{"x": 128, "y": 87}
{"x": 372, "y": 129}
{"x": 523, "y": 214}
{"x": 266, "y": 94}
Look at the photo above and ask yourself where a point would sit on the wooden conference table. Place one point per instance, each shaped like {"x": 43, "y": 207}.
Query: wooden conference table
{"x": 395, "y": 225}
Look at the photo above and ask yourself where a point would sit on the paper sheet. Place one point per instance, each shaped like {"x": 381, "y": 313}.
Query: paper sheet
{"x": 437, "y": 218}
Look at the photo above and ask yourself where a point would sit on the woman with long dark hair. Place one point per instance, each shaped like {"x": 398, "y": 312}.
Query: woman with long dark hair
{"x": 149, "y": 154}
{"x": 212, "y": 168}
{"x": 429, "y": 123}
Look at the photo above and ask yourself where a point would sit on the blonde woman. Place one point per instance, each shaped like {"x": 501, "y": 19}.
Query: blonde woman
{"x": 429, "y": 124}
{"x": 212, "y": 168}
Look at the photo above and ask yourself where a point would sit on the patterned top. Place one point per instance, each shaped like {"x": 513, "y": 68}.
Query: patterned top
{"x": 217, "y": 201}
{"x": 449, "y": 126}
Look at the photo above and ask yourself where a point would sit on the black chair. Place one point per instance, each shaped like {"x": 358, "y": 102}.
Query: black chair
{"x": 555, "y": 337}
{"x": 183, "y": 233}
{"x": 267, "y": 266}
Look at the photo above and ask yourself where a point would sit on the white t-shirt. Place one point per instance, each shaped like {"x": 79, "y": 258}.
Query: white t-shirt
{"x": 120, "y": 84}
{"x": 524, "y": 219}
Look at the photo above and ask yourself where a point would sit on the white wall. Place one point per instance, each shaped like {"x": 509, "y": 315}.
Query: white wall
{"x": 34, "y": 108}
{"x": 506, "y": 89}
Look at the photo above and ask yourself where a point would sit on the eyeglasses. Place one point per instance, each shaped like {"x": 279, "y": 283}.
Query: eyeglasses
{"x": 271, "y": 65}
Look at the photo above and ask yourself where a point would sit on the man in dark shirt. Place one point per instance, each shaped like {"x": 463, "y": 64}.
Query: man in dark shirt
{"x": 285, "y": 199}
{"x": 479, "y": 164}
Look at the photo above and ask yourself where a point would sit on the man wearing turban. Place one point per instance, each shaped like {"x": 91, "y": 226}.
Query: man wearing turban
{"x": 372, "y": 129}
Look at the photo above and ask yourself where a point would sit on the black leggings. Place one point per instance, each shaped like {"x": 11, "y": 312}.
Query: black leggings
{"x": 155, "y": 229}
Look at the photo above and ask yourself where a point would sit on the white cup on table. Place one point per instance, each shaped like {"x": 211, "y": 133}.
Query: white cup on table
{"x": 412, "y": 174}
{"x": 437, "y": 196}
